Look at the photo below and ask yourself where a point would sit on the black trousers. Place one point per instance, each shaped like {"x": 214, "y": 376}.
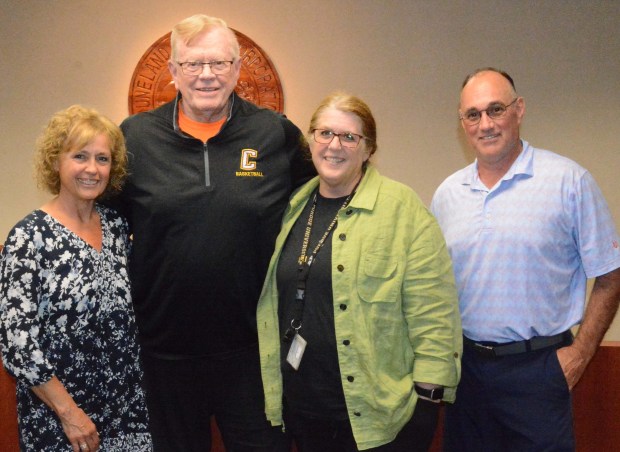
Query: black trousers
{"x": 182, "y": 395}
{"x": 514, "y": 403}
{"x": 315, "y": 435}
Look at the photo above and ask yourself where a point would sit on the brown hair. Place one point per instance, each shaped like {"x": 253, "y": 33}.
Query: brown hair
{"x": 350, "y": 104}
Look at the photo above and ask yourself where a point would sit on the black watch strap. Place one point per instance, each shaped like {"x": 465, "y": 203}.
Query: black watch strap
{"x": 433, "y": 394}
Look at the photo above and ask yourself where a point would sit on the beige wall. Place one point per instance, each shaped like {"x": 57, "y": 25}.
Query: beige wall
{"x": 406, "y": 58}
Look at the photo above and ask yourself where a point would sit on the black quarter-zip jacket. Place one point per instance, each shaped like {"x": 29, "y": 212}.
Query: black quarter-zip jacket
{"x": 204, "y": 218}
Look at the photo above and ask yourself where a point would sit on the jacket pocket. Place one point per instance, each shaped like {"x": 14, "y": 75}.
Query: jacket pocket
{"x": 377, "y": 279}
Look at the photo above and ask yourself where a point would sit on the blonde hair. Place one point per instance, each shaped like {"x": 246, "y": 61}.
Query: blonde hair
{"x": 74, "y": 128}
{"x": 189, "y": 28}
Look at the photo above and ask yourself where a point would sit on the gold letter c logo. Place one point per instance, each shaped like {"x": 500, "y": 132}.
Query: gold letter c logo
{"x": 246, "y": 163}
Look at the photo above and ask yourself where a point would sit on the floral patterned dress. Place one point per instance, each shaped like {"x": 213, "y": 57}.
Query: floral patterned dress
{"x": 65, "y": 310}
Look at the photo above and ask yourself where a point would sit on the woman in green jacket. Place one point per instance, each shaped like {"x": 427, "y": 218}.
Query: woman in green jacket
{"x": 358, "y": 322}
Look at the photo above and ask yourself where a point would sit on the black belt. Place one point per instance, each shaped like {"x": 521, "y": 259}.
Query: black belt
{"x": 495, "y": 350}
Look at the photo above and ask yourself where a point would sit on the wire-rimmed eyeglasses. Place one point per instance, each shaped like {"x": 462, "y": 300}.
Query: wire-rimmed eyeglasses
{"x": 494, "y": 111}
{"x": 196, "y": 67}
{"x": 347, "y": 139}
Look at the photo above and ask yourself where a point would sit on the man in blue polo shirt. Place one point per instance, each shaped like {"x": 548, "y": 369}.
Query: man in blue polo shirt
{"x": 525, "y": 228}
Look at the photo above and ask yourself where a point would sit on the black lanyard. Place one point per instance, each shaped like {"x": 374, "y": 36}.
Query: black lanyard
{"x": 305, "y": 262}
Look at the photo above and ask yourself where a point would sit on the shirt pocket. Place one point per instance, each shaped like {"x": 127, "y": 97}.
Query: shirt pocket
{"x": 378, "y": 280}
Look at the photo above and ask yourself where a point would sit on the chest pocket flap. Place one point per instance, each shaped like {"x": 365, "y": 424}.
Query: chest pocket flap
{"x": 378, "y": 278}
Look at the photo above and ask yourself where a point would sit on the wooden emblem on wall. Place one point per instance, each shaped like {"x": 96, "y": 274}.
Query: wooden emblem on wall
{"x": 152, "y": 85}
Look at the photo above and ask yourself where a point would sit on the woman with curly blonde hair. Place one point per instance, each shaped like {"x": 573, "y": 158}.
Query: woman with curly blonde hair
{"x": 67, "y": 328}
{"x": 75, "y": 127}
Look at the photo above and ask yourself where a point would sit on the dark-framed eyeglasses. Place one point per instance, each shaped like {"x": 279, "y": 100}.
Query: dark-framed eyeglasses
{"x": 347, "y": 139}
{"x": 196, "y": 67}
{"x": 494, "y": 111}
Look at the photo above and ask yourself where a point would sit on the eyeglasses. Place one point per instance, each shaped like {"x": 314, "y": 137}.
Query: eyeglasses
{"x": 494, "y": 111}
{"x": 196, "y": 67}
{"x": 347, "y": 139}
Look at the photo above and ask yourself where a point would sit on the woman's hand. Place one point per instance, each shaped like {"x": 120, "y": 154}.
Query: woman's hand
{"x": 79, "y": 428}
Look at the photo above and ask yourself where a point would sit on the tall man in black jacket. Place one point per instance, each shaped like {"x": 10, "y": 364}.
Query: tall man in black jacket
{"x": 210, "y": 176}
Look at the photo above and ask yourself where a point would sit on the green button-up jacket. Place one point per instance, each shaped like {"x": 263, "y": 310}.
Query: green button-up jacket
{"x": 395, "y": 308}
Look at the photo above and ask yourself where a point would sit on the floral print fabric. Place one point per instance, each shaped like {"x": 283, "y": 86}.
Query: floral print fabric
{"x": 65, "y": 310}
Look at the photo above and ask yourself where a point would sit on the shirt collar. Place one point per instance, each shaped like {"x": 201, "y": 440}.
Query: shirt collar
{"x": 523, "y": 165}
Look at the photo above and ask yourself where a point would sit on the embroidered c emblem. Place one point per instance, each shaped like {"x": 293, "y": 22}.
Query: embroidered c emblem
{"x": 246, "y": 163}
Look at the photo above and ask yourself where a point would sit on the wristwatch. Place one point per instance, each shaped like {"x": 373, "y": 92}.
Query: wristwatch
{"x": 433, "y": 394}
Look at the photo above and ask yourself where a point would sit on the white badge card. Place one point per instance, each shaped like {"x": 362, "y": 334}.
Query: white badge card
{"x": 296, "y": 352}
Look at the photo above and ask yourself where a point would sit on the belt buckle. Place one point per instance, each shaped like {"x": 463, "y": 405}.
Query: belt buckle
{"x": 485, "y": 350}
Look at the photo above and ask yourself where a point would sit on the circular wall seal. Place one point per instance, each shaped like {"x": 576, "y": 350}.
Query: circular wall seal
{"x": 152, "y": 85}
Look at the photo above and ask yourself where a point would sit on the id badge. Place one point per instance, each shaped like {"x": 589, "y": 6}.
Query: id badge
{"x": 296, "y": 352}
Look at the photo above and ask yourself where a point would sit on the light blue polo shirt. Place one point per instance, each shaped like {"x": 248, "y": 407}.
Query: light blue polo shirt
{"x": 523, "y": 250}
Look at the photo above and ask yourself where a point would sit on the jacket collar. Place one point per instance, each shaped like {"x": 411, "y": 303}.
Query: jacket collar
{"x": 365, "y": 196}
{"x": 175, "y": 111}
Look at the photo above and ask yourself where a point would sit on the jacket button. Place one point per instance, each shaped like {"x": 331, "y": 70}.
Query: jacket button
{"x": 357, "y": 413}
{"x": 346, "y": 342}
{"x": 350, "y": 378}
{"x": 342, "y": 237}
{"x": 340, "y": 268}
{"x": 343, "y": 307}
{"x": 349, "y": 212}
